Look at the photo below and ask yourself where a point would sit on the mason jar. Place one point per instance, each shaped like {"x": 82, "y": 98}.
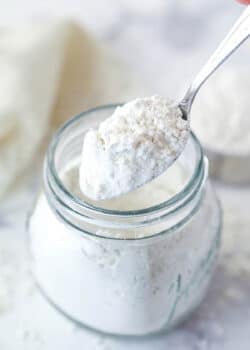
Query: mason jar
{"x": 123, "y": 272}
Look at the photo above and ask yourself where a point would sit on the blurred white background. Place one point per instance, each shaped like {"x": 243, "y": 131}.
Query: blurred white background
{"x": 164, "y": 42}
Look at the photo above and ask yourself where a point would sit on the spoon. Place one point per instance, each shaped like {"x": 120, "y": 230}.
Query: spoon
{"x": 237, "y": 35}
{"x": 144, "y": 137}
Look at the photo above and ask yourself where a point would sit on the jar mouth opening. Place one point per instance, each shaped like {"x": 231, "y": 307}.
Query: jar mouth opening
{"x": 75, "y": 202}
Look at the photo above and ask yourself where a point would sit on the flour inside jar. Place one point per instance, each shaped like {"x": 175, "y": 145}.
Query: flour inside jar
{"x": 153, "y": 193}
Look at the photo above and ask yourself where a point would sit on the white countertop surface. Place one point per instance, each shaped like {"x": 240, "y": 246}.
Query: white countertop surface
{"x": 148, "y": 35}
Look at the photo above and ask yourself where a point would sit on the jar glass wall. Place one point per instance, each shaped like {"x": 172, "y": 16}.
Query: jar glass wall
{"x": 132, "y": 272}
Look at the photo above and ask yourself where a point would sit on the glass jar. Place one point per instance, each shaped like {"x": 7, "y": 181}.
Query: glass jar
{"x": 135, "y": 286}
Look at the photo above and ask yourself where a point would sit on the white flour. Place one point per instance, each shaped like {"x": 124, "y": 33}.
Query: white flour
{"x": 136, "y": 144}
{"x": 220, "y": 115}
{"x": 137, "y": 287}
{"x": 15, "y": 282}
{"x": 7, "y": 279}
{"x": 153, "y": 193}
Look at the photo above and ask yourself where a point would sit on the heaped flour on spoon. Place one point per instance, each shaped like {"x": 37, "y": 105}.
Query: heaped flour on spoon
{"x": 137, "y": 143}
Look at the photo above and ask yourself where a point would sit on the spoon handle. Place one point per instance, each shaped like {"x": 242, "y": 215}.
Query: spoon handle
{"x": 237, "y": 35}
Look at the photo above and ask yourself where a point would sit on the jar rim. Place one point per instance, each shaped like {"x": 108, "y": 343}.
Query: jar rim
{"x": 76, "y": 201}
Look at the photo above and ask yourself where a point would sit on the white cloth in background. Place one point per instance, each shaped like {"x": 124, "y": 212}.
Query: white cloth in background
{"x": 49, "y": 72}
{"x": 30, "y": 64}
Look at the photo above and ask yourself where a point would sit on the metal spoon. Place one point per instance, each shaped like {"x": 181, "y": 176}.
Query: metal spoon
{"x": 237, "y": 35}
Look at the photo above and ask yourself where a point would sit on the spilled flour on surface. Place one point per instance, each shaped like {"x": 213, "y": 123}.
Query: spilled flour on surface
{"x": 15, "y": 279}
